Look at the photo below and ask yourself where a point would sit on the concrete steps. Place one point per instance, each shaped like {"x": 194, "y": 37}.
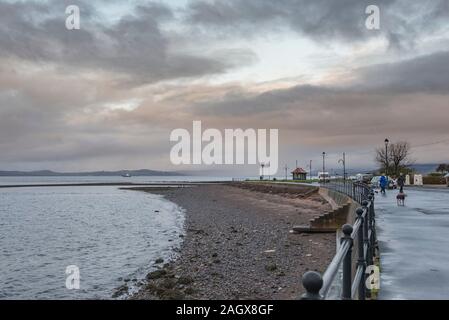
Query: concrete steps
{"x": 327, "y": 222}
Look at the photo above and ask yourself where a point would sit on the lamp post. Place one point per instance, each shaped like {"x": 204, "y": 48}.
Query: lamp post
{"x": 343, "y": 161}
{"x": 324, "y": 167}
{"x": 310, "y": 167}
{"x": 386, "y": 156}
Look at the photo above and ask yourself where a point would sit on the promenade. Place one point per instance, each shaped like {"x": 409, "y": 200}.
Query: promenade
{"x": 414, "y": 244}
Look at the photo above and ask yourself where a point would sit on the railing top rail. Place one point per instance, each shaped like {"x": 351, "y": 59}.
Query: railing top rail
{"x": 318, "y": 286}
{"x": 350, "y": 188}
{"x": 332, "y": 269}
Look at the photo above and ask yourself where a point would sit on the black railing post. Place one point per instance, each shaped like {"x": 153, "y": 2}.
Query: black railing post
{"x": 347, "y": 262}
{"x": 371, "y": 199}
{"x": 361, "y": 262}
{"x": 366, "y": 245}
{"x": 373, "y": 239}
{"x": 312, "y": 282}
{"x": 366, "y": 229}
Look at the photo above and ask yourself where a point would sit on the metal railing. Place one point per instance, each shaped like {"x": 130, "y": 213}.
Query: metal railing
{"x": 358, "y": 191}
{"x": 361, "y": 236}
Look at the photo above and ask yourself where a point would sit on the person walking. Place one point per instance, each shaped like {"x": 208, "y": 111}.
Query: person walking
{"x": 401, "y": 183}
{"x": 383, "y": 182}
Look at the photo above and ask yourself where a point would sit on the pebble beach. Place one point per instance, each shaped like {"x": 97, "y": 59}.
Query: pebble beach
{"x": 238, "y": 244}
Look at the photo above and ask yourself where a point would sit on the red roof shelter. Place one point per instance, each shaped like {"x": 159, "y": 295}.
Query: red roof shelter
{"x": 299, "y": 174}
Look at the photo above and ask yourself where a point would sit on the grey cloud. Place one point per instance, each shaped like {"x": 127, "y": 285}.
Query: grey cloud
{"x": 135, "y": 46}
{"x": 41, "y": 112}
{"x": 429, "y": 74}
{"x": 405, "y": 99}
{"x": 241, "y": 103}
{"x": 36, "y": 132}
{"x": 323, "y": 20}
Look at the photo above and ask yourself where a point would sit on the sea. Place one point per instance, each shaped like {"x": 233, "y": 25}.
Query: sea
{"x": 84, "y": 242}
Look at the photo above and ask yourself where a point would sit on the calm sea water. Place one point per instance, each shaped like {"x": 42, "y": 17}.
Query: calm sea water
{"x": 108, "y": 233}
{"x": 87, "y": 179}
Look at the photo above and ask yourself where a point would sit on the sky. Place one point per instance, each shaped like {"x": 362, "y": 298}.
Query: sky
{"x": 107, "y": 96}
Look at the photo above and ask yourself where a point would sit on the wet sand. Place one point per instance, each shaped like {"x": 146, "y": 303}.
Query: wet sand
{"x": 238, "y": 243}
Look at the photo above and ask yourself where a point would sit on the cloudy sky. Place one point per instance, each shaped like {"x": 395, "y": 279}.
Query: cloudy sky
{"x": 108, "y": 95}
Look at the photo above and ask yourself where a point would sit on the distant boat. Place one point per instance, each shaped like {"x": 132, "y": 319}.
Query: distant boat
{"x": 126, "y": 175}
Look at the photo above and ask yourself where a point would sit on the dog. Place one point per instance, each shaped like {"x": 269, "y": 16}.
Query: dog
{"x": 401, "y": 199}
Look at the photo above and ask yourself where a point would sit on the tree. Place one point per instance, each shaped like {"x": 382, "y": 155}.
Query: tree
{"x": 397, "y": 160}
{"x": 382, "y": 159}
{"x": 443, "y": 168}
{"x": 400, "y": 156}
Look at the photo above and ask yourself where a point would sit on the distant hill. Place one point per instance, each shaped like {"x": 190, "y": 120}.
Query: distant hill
{"x": 48, "y": 173}
{"x": 425, "y": 168}
{"x": 421, "y": 168}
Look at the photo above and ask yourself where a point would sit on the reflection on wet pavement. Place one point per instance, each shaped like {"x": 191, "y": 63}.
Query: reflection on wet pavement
{"x": 414, "y": 245}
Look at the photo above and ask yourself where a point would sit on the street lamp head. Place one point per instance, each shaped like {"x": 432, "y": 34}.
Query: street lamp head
{"x": 387, "y": 141}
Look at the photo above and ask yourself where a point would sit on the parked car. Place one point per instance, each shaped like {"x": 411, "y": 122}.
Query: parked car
{"x": 364, "y": 177}
{"x": 375, "y": 182}
{"x": 324, "y": 176}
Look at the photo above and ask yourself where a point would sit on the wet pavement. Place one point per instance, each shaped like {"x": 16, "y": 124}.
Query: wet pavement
{"x": 414, "y": 244}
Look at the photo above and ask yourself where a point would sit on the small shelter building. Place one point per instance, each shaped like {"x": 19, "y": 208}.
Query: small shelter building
{"x": 299, "y": 174}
